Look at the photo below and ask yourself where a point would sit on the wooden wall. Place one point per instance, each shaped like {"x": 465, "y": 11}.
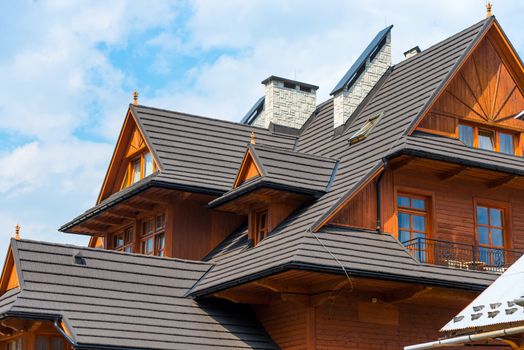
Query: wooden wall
{"x": 451, "y": 203}
{"x": 352, "y": 321}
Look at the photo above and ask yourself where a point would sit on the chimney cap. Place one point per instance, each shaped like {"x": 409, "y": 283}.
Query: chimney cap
{"x": 412, "y": 52}
{"x": 289, "y": 81}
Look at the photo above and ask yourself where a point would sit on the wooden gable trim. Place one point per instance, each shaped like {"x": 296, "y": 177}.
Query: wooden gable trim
{"x": 441, "y": 90}
{"x": 248, "y": 169}
{"x": 131, "y": 128}
{"x": 9, "y": 278}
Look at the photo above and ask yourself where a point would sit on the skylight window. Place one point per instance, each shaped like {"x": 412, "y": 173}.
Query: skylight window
{"x": 365, "y": 130}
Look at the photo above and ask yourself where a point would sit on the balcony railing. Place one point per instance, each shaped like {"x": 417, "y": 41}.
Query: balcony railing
{"x": 461, "y": 256}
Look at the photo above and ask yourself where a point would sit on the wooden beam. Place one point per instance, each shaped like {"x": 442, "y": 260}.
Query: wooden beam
{"x": 5, "y": 332}
{"x": 401, "y": 163}
{"x": 162, "y": 200}
{"x": 105, "y": 221}
{"x": 15, "y": 324}
{"x": 138, "y": 206}
{"x": 452, "y": 173}
{"x": 404, "y": 294}
{"x": 94, "y": 227}
{"x": 124, "y": 214}
{"x": 502, "y": 181}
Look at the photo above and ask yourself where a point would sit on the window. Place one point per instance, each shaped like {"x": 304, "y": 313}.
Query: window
{"x": 413, "y": 223}
{"x": 486, "y": 139}
{"x": 46, "y": 342}
{"x": 491, "y": 140}
{"x": 260, "y": 229}
{"x": 490, "y": 235}
{"x": 123, "y": 240}
{"x": 153, "y": 235}
{"x": 15, "y": 344}
{"x": 364, "y": 131}
{"x": 506, "y": 143}
{"x": 466, "y": 135}
{"x": 139, "y": 167}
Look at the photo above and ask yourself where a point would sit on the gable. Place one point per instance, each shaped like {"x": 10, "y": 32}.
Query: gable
{"x": 130, "y": 145}
{"x": 249, "y": 169}
{"x": 487, "y": 89}
{"x": 9, "y": 278}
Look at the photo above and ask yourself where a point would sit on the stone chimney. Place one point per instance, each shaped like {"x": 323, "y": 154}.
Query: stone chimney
{"x": 286, "y": 102}
{"x": 362, "y": 77}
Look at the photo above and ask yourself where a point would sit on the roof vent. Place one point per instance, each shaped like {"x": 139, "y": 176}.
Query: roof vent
{"x": 412, "y": 52}
{"x": 79, "y": 259}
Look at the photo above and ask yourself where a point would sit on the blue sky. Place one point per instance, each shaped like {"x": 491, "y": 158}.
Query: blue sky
{"x": 69, "y": 69}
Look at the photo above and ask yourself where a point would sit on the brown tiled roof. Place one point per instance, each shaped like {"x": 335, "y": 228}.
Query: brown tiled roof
{"x": 118, "y": 300}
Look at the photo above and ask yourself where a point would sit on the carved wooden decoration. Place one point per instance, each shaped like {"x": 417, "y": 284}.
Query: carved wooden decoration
{"x": 484, "y": 90}
{"x": 137, "y": 143}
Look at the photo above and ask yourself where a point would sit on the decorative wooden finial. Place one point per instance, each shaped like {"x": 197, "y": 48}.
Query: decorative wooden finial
{"x": 135, "y": 98}
{"x": 488, "y": 9}
{"x": 17, "y": 232}
{"x": 253, "y": 142}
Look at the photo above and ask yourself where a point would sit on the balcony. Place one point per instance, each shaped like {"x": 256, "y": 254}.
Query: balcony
{"x": 461, "y": 256}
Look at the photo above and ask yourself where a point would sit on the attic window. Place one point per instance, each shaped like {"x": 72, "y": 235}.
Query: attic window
{"x": 138, "y": 168}
{"x": 260, "y": 226}
{"x": 364, "y": 131}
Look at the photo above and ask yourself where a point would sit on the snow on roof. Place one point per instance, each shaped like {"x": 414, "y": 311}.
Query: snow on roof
{"x": 496, "y": 305}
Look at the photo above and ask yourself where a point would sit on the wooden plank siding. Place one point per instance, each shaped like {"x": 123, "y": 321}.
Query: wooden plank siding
{"x": 452, "y": 193}
{"x": 352, "y": 321}
{"x": 488, "y": 90}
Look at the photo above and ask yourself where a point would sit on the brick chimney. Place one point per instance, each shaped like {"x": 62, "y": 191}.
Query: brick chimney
{"x": 362, "y": 77}
{"x": 286, "y": 102}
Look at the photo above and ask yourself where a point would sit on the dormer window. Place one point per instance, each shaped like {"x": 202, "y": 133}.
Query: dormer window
{"x": 488, "y": 139}
{"x": 139, "y": 167}
{"x": 260, "y": 226}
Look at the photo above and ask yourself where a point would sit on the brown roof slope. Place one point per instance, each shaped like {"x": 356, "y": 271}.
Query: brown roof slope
{"x": 285, "y": 170}
{"x": 198, "y": 151}
{"x": 124, "y": 301}
{"x": 401, "y": 98}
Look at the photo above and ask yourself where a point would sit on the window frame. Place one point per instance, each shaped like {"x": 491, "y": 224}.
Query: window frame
{"x": 506, "y": 217}
{"x": 258, "y": 236}
{"x": 128, "y": 244}
{"x": 477, "y": 128}
{"x": 156, "y": 233}
{"x": 417, "y": 192}
{"x": 129, "y": 176}
{"x": 413, "y": 211}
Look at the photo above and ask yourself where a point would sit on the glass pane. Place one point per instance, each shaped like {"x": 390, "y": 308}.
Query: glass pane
{"x": 417, "y": 203}
{"x": 497, "y": 239}
{"x": 483, "y": 235}
{"x": 136, "y": 170}
{"x": 466, "y": 135}
{"x": 482, "y": 215}
{"x": 42, "y": 343}
{"x": 403, "y": 201}
{"x": 57, "y": 344}
{"x": 486, "y": 139}
{"x": 150, "y": 246}
{"x": 495, "y": 217}
{"x": 403, "y": 220}
{"x": 506, "y": 143}
{"x": 419, "y": 223}
{"x": 404, "y": 236}
{"x": 128, "y": 249}
{"x": 148, "y": 160}
{"x": 160, "y": 221}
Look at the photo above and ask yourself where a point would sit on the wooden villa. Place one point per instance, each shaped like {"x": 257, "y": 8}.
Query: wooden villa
{"x": 364, "y": 222}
